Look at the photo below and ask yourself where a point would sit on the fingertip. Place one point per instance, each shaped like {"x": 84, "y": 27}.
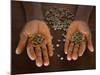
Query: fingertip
{"x": 65, "y": 51}
{"x": 90, "y": 45}
{"x": 38, "y": 64}
{"x": 80, "y": 54}
{"x": 46, "y": 64}
{"x": 74, "y": 58}
{"x": 66, "y": 46}
{"x": 68, "y": 58}
{"x": 31, "y": 54}
{"x": 91, "y": 48}
{"x": 51, "y": 51}
{"x": 51, "y": 54}
{"x": 32, "y": 58}
{"x": 18, "y": 51}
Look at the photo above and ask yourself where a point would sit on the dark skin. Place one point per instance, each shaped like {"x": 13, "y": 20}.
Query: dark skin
{"x": 73, "y": 51}
{"x": 35, "y": 53}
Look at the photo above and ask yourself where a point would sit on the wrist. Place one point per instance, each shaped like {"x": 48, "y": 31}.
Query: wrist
{"x": 83, "y": 13}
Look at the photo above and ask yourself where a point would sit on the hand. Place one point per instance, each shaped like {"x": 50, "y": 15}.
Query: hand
{"x": 74, "y": 50}
{"x": 36, "y": 52}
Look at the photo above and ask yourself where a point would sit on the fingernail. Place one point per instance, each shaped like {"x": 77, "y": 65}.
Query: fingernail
{"x": 46, "y": 64}
{"x": 39, "y": 64}
{"x": 51, "y": 54}
{"x": 32, "y": 58}
{"x": 68, "y": 58}
{"x": 17, "y": 51}
{"x": 80, "y": 55}
{"x": 91, "y": 49}
{"x": 65, "y": 52}
{"x": 74, "y": 58}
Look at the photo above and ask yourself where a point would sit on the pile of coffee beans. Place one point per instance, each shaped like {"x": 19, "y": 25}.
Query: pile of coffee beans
{"x": 59, "y": 18}
{"x": 37, "y": 39}
{"x": 77, "y": 37}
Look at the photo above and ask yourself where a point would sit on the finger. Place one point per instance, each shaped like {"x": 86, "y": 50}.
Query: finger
{"x": 69, "y": 52}
{"x": 45, "y": 55}
{"x": 30, "y": 51}
{"x": 68, "y": 37}
{"x": 50, "y": 48}
{"x": 90, "y": 45}
{"x": 82, "y": 48}
{"x": 21, "y": 44}
{"x": 75, "y": 52}
{"x": 38, "y": 57}
{"x": 66, "y": 46}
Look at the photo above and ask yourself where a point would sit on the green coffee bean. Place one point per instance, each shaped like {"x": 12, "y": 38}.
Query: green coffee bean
{"x": 59, "y": 18}
{"x": 77, "y": 37}
{"x": 37, "y": 39}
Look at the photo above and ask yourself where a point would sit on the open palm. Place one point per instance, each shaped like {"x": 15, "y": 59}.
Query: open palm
{"x": 39, "y": 53}
{"x": 74, "y": 50}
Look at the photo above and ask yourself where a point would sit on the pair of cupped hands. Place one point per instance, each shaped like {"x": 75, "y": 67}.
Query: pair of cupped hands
{"x": 41, "y": 54}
